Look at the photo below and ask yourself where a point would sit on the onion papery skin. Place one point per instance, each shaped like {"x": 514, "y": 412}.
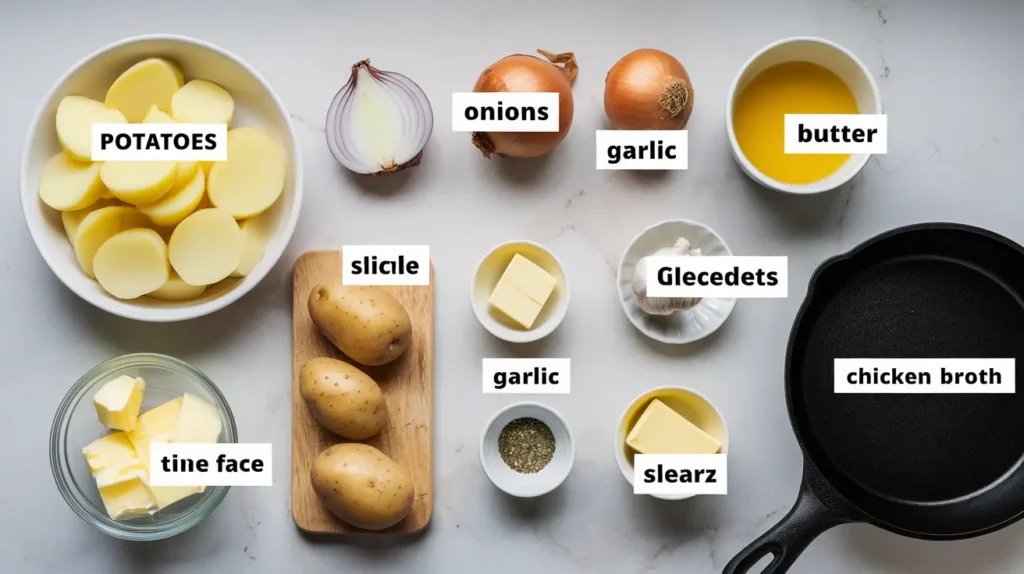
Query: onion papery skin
{"x": 639, "y": 86}
{"x": 415, "y": 115}
{"x": 523, "y": 73}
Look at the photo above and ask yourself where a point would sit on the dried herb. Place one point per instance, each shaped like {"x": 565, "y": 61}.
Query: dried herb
{"x": 526, "y": 445}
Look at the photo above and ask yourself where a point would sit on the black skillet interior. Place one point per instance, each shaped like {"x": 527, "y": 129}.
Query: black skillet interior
{"x": 928, "y": 466}
{"x": 933, "y": 466}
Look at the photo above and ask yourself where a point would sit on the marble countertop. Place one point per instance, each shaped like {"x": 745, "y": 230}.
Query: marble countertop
{"x": 951, "y": 82}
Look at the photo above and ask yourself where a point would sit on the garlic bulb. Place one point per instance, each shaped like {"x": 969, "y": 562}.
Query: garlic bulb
{"x": 662, "y": 305}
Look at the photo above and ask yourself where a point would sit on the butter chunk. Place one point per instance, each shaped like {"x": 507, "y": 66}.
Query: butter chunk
{"x": 120, "y": 477}
{"x": 110, "y": 454}
{"x": 522, "y": 291}
{"x": 127, "y": 496}
{"x": 154, "y": 425}
{"x": 198, "y": 421}
{"x": 118, "y": 401}
{"x": 661, "y": 430}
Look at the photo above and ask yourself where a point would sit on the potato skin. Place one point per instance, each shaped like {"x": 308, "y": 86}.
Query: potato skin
{"x": 362, "y": 486}
{"x": 367, "y": 324}
{"x": 345, "y": 400}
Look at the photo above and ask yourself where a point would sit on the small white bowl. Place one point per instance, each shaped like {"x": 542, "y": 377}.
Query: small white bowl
{"x": 683, "y": 326}
{"x": 255, "y": 104}
{"x": 521, "y": 484}
{"x": 489, "y": 271}
{"x": 824, "y": 53}
{"x": 693, "y": 406}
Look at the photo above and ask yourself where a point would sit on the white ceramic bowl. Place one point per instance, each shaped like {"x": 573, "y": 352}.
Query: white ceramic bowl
{"x": 255, "y": 104}
{"x": 824, "y": 53}
{"x": 521, "y": 484}
{"x": 489, "y": 271}
{"x": 693, "y": 406}
{"x": 683, "y": 326}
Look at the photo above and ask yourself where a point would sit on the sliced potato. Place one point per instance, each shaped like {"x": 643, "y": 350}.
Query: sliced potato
{"x": 177, "y": 290}
{"x": 99, "y": 226}
{"x": 178, "y": 204}
{"x": 72, "y": 219}
{"x": 139, "y": 182}
{"x": 206, "y": 247}
{"x": 132, "y": 263}
{"x": 67, "y": 184}
{"x": 186, "y": 169}
{"x": 202, "y": 102}
{"x": 75, "y": 117}
{"x": 151, "y": 82}
{"x": 255, "y": 231}
{"x": 252, "y": 178}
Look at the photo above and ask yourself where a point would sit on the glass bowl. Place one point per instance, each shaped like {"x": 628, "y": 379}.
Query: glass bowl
{"x": 76, "y": 425}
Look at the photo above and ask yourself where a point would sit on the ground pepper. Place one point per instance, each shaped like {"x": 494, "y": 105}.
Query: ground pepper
{"x": 526, "y": 445}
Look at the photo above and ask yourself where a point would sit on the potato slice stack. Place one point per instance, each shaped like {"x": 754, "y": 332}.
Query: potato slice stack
{"x": 163, "y": 229}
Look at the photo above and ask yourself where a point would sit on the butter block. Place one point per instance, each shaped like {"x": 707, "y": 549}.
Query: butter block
{"x": 126, "y": 495}
{"x": 118, "y": 401}
{"x": 154, "y": 425}
{"x": 198, "y": 421}
{"x": 522, "y": 291}
{"x": 120, "y": 477}
{"x": 110, "y": 454}
{"x": 661, "y": 430}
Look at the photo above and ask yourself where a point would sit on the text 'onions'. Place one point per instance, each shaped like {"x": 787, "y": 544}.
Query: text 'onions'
{"x": 648, "y": 90}
{"x": 379, "y": 122}
{"x": 522, "y": 73}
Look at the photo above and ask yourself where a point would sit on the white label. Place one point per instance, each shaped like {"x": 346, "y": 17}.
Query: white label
{"x": 740, "y": 277}
{"x": 675, "y": 474}
{"x": 925, "y": 376}
{"x": 216, "y": 464}
{"x": 159, "y": 142}
{"x": 505, "y": 112}
{"x": 526, "y": 376}
{"x": 836, "y": 133}
{"x": 385, "y": 265}
{"x": 642, "y": 149}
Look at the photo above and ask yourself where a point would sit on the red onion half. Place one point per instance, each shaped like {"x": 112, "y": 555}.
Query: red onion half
{"x": 379, "y": 122}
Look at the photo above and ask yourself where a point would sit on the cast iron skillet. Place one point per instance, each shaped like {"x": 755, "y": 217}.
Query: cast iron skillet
{"x": 936, "y": 467}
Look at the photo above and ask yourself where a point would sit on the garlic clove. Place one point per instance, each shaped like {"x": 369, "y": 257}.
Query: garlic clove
{"x": 662, "y": 305}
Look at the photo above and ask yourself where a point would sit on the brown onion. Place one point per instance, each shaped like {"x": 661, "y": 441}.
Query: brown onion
{"x": 522, "y": 73}
{"x": 648, "y": 90}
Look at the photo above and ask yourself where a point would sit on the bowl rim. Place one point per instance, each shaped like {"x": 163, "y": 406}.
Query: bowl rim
{"x": 126, "y": 309}
{"x": 620, "y": 456}
{"x": 749, "y": 168}
{"x": 507, "y": 334}
{"x": 58, "y": 448}
{"x": 518, "y": 406}
{"x": 622, "y": 295}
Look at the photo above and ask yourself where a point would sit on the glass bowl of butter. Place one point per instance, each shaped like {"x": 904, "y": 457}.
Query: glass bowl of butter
{"x": 102, "y": 433}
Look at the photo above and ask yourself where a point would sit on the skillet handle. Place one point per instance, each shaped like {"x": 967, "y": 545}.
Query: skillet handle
{"x": 787, "y": 539}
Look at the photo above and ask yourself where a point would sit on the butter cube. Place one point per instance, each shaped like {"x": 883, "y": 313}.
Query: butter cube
{"x": 127, "y": 496}
{"x": 158, "y": 425}
{"x": 522, "y": 291}
{"x": 118, "y": 401}
{"x": 154, "y": 425}
{"x": 120, "y": 477}
{"x": 661, "y": 430}
{"x": 198, "y": 421}
{"x": 110, "y": 454}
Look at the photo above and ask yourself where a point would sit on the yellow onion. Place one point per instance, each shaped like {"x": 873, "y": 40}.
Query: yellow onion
{"x": 522, "y": 73}
{"x": 648, "y": 90}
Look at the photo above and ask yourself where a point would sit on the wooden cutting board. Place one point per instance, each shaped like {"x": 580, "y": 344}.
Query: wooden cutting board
{"x": 408, "y": 386}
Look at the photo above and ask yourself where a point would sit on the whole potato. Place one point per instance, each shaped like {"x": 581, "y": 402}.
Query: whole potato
{"x": 365, "y": 323}
{"x": 345, "y": 400}
{"x": 362, "y": 486}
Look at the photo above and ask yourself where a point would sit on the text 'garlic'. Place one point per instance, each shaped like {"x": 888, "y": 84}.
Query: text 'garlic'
{"x": 662, "y": 305}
